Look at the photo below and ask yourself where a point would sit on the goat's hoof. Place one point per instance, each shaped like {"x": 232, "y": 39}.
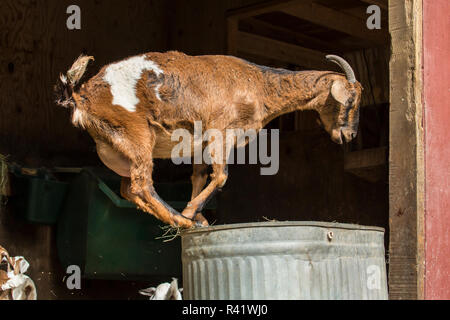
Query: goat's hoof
{"x": 181, "y": 222}
{"x": 201, "y": 219}
{"x": 199, "y": 224}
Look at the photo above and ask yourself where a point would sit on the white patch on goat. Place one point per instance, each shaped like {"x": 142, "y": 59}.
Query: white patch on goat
{"x": 123, "y": 76}
{"x": 77, "y": 118}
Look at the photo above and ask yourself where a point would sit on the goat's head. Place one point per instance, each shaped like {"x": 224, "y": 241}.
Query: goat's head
{"x": 340, "y": 113}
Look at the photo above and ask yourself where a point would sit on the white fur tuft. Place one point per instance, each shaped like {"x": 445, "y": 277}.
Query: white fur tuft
{"x": 123, "y": 76}
{"x": 78, "y": 118}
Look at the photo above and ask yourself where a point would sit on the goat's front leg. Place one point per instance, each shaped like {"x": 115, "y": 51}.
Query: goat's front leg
{"x": 218, "y": 179}
{"x": 198, "y": 178}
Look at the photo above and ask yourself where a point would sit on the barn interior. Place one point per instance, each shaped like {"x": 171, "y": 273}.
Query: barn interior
{"x": 317, "y": 179}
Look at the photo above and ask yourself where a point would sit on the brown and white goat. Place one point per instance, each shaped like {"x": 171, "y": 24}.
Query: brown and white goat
{"x": 14, "y": 284}
{"x": 132, "y": 107}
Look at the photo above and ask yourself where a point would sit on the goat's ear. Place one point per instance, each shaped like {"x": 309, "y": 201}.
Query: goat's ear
{"x": 148, "y": 292}
{"x": 339, "y": 92}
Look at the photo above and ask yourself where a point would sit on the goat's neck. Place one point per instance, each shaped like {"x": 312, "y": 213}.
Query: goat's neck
{"x": 290, "y": 91}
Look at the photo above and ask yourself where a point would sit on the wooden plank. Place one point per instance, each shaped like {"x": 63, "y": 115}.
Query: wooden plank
{"x": 336, "y": 20}
{"x": 406, "y": 165}
{"x": 365, "y": 158}
{"x": 436, "y": 48}
{"x": 370, "y": 66}
{"x": 280, "y": 33}
{"x": 282, "y": 51}
{"x": 361, "y": 13}
{"x": 37, "y": 46}
{"x": 368, "y": 164}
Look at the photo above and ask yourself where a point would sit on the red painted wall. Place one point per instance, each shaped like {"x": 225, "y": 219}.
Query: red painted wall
{"x": 436, "y": 28}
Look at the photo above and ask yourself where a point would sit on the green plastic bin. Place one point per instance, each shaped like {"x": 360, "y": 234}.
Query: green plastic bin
{"x": 38, "y": 199}
{"x": 108, "y": 238}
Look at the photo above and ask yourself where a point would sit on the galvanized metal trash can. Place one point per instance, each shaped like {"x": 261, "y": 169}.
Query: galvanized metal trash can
{"x": 284, "y": 260}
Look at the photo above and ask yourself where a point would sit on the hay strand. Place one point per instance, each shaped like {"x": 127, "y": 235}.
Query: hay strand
{"x": 170, "y": 233}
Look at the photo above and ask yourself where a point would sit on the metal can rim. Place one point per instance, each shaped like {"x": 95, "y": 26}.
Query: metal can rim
{"x": 270, "y": 224}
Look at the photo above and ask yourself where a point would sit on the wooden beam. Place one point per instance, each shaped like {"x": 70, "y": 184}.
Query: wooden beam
{"x": 406, "y": 162}
{"x": 365, "y": 158}
{"x": 335, "y": 20}
{"x": 276, "y": 32}
{"x": 282, "y": 51}
{"x": 383, "y": 4}
{"x": 368, "y": 164}
{"x": 360, "y": 12}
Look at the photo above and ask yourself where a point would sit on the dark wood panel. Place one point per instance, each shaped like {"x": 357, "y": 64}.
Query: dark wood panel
{"x": 36, "y": 46}
{"x": 311, "y": 185}
{"x": 371, "y": 69}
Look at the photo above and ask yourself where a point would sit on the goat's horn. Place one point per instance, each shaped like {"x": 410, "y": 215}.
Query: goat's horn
{"x": 344, "y": 65}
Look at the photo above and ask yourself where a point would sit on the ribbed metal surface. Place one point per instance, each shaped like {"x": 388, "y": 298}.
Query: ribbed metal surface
{"x": 284, "y": 260}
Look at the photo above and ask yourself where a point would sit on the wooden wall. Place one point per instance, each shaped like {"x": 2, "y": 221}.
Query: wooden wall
{"x": 200, "y": 27}
{"x": 436, "y": 53}
{"x": 35, "y": 46}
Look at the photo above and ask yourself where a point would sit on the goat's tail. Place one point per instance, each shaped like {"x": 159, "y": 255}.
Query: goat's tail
{"x": 66, "y": 83}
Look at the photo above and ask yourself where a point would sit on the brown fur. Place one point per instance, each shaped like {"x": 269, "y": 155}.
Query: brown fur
{"x": 223, "y": 92}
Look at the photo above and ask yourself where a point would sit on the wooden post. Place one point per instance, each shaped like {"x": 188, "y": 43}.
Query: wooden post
{"x": 406, "y": 164}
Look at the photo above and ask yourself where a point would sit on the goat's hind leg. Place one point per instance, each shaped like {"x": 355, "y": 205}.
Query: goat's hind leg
{"x": 139, "y": 188}
{"x": 218, "y": 179}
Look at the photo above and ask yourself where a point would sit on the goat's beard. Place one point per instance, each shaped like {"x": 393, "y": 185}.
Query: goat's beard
{"x": 337, "y": 136}
{"x": 342, "y": 135}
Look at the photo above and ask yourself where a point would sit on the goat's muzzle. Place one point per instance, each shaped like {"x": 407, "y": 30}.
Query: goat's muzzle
{"x": 343, "y": 134}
